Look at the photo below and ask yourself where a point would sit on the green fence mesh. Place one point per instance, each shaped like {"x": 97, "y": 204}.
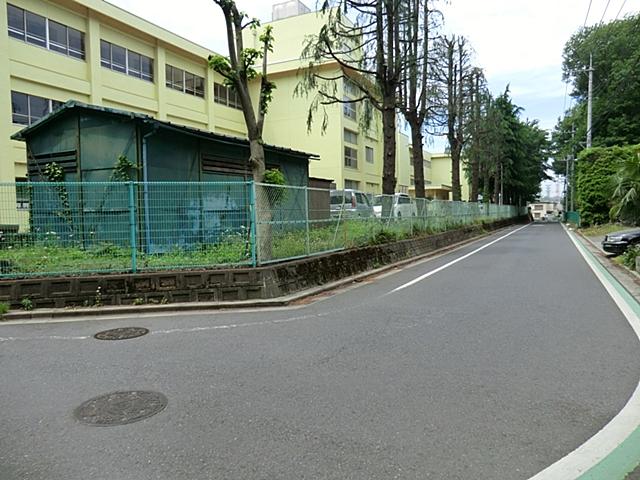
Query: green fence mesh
{"x": 73, "y": 228}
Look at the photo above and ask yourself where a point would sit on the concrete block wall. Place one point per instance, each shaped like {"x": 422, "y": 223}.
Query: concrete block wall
{"x": 225, "y": 284}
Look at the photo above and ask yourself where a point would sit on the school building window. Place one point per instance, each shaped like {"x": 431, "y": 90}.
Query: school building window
{"x": 351, "y": 184}
{"x": 22, "y": 194}
{"x": 120, "y": 59}
{"x": 350, "y": 137}
{"x": 184, "y": 81}
{"x": 368, "y": 154}
{"x": 38, "y": 30}
{"x": 27, "y": 109}
{"x": 226, "y": 96}
{"x": 350, "y": 157}
{"x": 349, "y": 109}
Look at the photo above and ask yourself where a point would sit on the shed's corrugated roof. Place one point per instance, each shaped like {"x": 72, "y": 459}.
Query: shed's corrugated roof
{"x": 75, "y": 105}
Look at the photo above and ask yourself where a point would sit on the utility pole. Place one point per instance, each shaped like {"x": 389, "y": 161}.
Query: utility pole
{"x": 501, "y": 185}
{"x": 566, "y": 185}
{"x": 573, "y": 176}
{"x": 589, "y": 101}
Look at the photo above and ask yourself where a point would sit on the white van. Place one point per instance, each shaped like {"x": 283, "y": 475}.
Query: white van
{"x": 403, "y": 206}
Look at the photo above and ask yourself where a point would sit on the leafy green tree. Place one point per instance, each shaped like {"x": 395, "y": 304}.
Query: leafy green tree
{"x": 626, "y": 190}
{"x": 615, "y": 49}
{"x": 594, "y": 169}
{"x": 512, "y": 152}
{"x": 239, "y": 70}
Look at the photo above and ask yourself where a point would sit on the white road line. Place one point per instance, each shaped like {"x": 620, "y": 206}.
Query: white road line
{"x": 598, "y": 447}
{"x": 234, "y": 325}
{"x": 453, "y": 262}
{"x": 52, "y": 337}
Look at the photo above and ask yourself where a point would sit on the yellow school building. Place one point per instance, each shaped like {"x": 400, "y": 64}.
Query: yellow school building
{"x": 52, "y": 51}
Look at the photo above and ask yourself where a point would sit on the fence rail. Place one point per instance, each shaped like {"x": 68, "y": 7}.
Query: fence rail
{"x": 73, "y": 228}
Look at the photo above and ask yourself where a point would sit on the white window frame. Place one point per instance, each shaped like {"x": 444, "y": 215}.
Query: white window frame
{"x": 350, "y": 161}
{"x": 350, "y": 136}
{"x": 227, "y": 100}
{"x": 169, "y": 84}
{"x": 47, "y": 41}
{"x": 355, "y": 186}
{"x": 368, "y": 149}
{"x": 30, "y": 119}
{"x": 127, "y": 71}
{"x": 350, "y": 109}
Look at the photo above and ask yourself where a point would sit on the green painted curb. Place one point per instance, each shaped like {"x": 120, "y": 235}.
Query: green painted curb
{"x": 626, "y": 456}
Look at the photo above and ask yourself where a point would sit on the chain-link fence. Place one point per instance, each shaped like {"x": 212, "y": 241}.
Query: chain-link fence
{"x": 295, "y": 222}
{"x": 49, "y": 229}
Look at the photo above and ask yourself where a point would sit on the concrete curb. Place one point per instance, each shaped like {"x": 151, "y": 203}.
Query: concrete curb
{"x": 59, "y": 313}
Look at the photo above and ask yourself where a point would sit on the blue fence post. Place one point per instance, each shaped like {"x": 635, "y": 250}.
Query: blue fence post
{"x": 306, "y": 217}
{"x": 132, "y": 228}
{"x": 252, "y": 222}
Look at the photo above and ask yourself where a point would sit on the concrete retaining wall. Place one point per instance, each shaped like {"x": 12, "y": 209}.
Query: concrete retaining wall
{"x": 224, "y": 284}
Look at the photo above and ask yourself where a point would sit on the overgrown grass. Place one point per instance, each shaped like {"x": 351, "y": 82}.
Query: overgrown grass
{"x": 50, "y": 258}
{"x": 628, "y": 258}
{"x": 111, "y": 258}
{"x": 604, "y": 229}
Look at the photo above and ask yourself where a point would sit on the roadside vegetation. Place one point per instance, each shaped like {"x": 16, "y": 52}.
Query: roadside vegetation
{"x": 604, "y": 229}
{"x": 628, "y": 258}
{"x": 233, "y": 250}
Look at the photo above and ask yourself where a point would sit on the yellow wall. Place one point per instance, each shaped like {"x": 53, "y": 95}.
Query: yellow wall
{"x": 441, "y": 174}
{"x": 38, "y": 71}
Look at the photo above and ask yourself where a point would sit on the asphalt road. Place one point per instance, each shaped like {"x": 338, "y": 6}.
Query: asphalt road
{"x": 492, "y": 368}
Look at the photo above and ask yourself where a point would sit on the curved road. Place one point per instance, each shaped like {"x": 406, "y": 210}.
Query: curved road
{"x": 491, "y": 368}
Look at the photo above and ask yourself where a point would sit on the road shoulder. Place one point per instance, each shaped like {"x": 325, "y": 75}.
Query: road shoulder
{"x": 614, "y": 451}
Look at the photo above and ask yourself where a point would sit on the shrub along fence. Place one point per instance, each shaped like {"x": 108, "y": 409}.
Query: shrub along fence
{"x": 72, "y": 228}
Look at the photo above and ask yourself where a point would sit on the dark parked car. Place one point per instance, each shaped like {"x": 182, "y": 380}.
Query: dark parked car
{"x": 618, "y": 242}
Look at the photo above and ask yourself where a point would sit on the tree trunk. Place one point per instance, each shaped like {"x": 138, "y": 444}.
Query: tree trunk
{"x": 475, "y": 156}
{"x": 455, "y": 173}
{"x": 389, "y": 160}
{"x": 417, "y": 160}
{"x": 264, "y": 234}
{"x": 496, "y": 185}
{"x": 475, "y": 179}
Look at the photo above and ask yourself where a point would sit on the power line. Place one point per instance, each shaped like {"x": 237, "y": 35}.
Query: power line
{"x": 605, "y": 11}
{"x": 566, "y": 87}
{"x": 603, "y": 82}
{"x": 587, "y": 15}
{"x": 621, "y": 7}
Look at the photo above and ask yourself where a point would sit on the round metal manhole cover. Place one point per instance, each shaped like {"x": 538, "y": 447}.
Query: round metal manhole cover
{"x": 120, "y": 408}
{"x": 121, "y": 333}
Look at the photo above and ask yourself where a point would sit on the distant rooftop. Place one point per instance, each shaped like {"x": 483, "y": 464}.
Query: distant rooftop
{"x": 292, "y": 8}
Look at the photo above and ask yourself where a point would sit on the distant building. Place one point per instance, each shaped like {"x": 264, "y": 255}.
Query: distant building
{"x": 545, "y": 211}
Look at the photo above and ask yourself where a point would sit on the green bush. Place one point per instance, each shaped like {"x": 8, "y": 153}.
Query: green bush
{"x": 629, "y": 257}
{"x": 26, "y": 303}
{"x": 4, "y": 308}
{"x": 594, "y": 170}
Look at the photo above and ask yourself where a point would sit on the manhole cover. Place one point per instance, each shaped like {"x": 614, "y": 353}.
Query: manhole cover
{"x": 120, "y": 408}
{"x": 121, "y": 333}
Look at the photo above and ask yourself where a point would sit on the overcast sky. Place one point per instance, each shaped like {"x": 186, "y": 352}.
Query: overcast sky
{"x": 516, "y": 42}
